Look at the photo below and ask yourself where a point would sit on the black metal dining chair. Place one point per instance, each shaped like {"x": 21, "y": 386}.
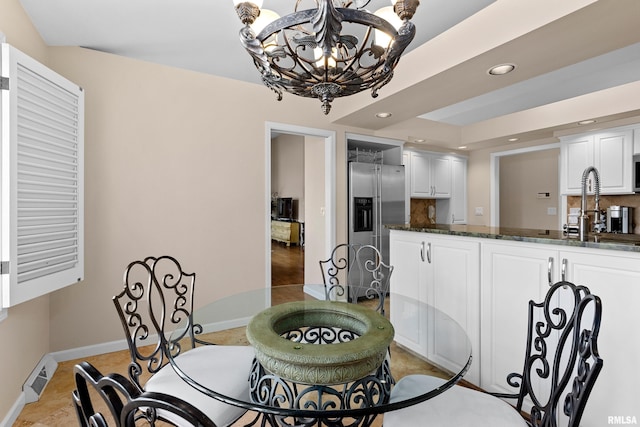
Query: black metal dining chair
{"x": 113, "y": 400}
{"x": 560, "y": 369}
{"x": 357, "y": 271}
{"x": 156, "y": 312}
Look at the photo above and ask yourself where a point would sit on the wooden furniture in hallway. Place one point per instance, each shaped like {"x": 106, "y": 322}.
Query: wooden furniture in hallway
{"x": 285, "y": 231}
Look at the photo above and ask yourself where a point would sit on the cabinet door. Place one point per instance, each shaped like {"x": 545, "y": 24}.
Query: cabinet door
{"x": 421, "y": 185}
{"x": 407, "y": 279}
{"x": 512, "y": 276}
{"x": 406, "y": 161}
{"x": 613, "y": 160}
{"x": 615, "y": 278}
{"x": 576, "y": 155}
{"x": 441, "y": 176}
{"x": 458, "y": 202}
{"x": 453, "y": 287}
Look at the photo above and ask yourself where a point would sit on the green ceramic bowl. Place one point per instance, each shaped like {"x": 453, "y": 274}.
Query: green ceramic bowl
{"x": 320, "y": 364}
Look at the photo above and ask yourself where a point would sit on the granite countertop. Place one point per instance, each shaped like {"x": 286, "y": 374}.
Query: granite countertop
{"x": 619, "y": 242}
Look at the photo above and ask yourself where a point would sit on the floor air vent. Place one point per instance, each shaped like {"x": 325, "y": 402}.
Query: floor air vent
{"x": 39, "y": 379}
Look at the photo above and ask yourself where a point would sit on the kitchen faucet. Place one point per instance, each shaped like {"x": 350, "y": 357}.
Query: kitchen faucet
{"x": 598, "y": 223}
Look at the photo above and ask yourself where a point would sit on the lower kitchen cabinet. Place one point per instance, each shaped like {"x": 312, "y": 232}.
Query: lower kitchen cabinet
{"x": 443, "y": 272}
{"x": 615, "y": 278}
{"x": 514, "y": 273}
{"x": 486, "y": 284}
{"x": 408, "y": 279}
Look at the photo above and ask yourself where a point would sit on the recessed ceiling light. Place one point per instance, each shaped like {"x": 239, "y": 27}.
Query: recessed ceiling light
{"x": 586, "y": 122}
{"x": 418, "y": 140}
{"x": 501, "y": 69}
{"x": 462, "y": 147}
{"x": 512, "y": 139}
{"x": 383, "y": 115}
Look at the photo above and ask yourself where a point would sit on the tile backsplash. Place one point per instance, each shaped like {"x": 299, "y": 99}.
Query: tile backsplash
{"x": 631, "y": 200}
{"x": 420, "y": 209}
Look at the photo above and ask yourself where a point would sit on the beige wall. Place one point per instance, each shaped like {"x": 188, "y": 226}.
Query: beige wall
{"x": 479, "y": 179}
{"x": 314, "y": 171}
{"x": 522, "y": 177}
{"x": 175, "y": 164}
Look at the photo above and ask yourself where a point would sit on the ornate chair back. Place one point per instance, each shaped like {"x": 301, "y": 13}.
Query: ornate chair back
{"x": 113, "y": 400}
{"x": 155, "y": 308}
{"x": 358, "y": 270}
{"x": 562, "y": 361}
{"x": 113, "y": 390}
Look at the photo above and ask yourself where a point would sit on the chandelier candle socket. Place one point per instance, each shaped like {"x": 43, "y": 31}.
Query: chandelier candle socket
{"x": 334, "y": 48}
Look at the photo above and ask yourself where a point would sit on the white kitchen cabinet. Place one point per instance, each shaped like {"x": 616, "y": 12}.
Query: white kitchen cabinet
{"x": 576, "y": 154}
{"x": 512, "y": 274}
{"x": 408, "y": 279}
{"x": 406, "y": 161}
{"x": 615, "y": 278}
{"x": 611, "y": 152}
{"x": 636, "y": 140}
{"x": 430, "y": 175}
{"x": 458, "y": 201}
{"x": 443, "y": 272}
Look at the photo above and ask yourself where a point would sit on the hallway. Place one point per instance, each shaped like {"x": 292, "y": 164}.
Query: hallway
{"x": 287, "y": 264}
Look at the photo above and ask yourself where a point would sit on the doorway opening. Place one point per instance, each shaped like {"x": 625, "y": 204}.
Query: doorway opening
{"x": 527, "y": 191}
{"x": 312, "y": 201}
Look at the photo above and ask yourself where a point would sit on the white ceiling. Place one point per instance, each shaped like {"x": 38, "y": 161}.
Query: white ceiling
{"x": 569, "y": 55}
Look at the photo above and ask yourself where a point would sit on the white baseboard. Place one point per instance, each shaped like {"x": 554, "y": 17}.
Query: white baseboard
{"x": 90, "y": 350}
{"x": 316, "y": 291}
{"x": 14, "y": 412}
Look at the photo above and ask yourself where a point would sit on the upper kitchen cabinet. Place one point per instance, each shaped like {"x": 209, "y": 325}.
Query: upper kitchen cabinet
{"x": 406, "y": 161}
{"x": 636, "y": 140}
{"x": 611, "y": 152}
{"x": 458, "y": 208}
{"x": 430, "y": 175}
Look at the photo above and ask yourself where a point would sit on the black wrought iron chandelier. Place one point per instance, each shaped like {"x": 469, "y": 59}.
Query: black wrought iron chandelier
{"x": 335, "y": 48}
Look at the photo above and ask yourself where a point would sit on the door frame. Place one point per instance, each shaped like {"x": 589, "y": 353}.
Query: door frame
{"x": 330, "y": 144}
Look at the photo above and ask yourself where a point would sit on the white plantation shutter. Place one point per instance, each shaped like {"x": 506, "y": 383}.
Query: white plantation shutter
{"x": 41, "y": 197}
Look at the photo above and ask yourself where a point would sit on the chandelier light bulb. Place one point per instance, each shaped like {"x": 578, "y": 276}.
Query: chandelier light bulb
{"x": 265, "y": 18}
{"x": 381, "y": 38}
{"x": 330, "y": 61}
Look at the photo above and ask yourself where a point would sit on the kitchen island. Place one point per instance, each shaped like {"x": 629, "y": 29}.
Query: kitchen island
{"x": 611, "y": 241}
{"x": 483, "y": 277}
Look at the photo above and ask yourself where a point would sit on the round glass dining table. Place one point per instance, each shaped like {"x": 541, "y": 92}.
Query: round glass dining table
{"x": 328, "y": 362}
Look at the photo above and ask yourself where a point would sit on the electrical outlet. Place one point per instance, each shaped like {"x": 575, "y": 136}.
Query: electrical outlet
{"x": 479, "y": 211}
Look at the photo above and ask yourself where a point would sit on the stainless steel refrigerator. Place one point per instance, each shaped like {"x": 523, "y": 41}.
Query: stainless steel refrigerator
{"x": 376, "y": 198}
